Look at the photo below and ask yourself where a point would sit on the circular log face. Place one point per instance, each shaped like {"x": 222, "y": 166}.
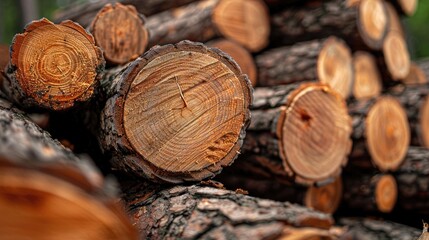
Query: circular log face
{"x": 185, "y": 111}
{"x": 424, "y": 122}
{"x": 408, "y": 6}
{"x": 56, "y": 63}
{"x": 315, "y": 135}
{"x": 334, "y": 66}
{"x": 386, "y": 193}
{"x": 326, "y": 198}
{"x": 396, "y": 56}
{"x": 373, "y": 22}
{"x": 245, "y": 21}
{"x": 34, "y": 205}
{"x": 388, "y": 133}
{"x": 367, "y": 82}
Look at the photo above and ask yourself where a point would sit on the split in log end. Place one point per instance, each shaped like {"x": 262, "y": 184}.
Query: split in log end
{"x": 386, "y": 193}
{"x": 367, "y": 81}
{"x": 326, "y": 198}
{"x": 416, "y": 76}
{"x": 396, "y": 56}
{"x": 373, "y": 22}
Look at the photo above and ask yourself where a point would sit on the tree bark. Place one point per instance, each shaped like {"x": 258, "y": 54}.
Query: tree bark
{"x": 204, "y": 20}
{"x": 175, "y": 126}
{"x": 120, "y": 31}
{"x": 284, "y": 138}
{"x": 328, "y": 61}
{"x": 319, "y": 19}
{"x": 381, "y": 133}
{"x": 197, "y": 212}
{"x": 46, "y": 188}
{"x": 367, "y": 82}
{"x": 52, "y": 66}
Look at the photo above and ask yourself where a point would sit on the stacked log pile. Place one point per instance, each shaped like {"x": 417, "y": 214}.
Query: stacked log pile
{"x": 312, "y": 102}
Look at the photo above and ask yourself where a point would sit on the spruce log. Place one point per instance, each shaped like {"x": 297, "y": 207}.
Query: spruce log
{"x": 178, "y": 113}
{"x": 395, "y": 58}
{"x": 244, "y": 21}
{"x": 53, "y": 66}
{"x": 242, "y": 56}
{"x": 416, "y": 76}
{"x": 363, "y": 229}
{"x": 120, "y": 31}
{"x": 407, "y": 7}
{"x": 328, "y": 61}
{"x": 46, "y": 192}
{"x": 370, "y": 192}
{"x": 367, "y": 80}
{"x": 287, "y": 135}
{"x": 394, "y": 20}
{"x": 415, "y": 100}
{"x": 381, "y": 133}
{"x": 197, "y": 212}
{"x": 362, "y": 24}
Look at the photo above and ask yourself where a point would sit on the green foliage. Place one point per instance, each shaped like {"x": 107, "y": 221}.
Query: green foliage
{"x": 418, "y": 30}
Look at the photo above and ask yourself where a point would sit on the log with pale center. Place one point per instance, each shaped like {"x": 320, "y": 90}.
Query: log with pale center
{"x": 367, "y": 80}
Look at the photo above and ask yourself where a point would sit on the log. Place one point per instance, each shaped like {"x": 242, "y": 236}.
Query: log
{"x": 367, "y": 80}
{"x": 287, "y": 135}
{"x": 120, "y": 31}
{"x": 4, "y": 60}
{"x": 47, "y": 192}
{"x": 173, "y": 125}
{"x": 364, "y": 25}
{"x": 244, "y": 21}
{"x": 381, "y": 133}
{"x": 328, "y": 61}
{"x": 241, "y": 55}
{"x": 424, "y": 65}
{"x": 406, "y": 7}
{"x": 197, "y": 212}
{"x": 84, "y": 13}
{"x": 394, "y": 20}
{"x": 53, "y": 66}
{"x": 395, "y": 58}
{"x": 415, "y": 100}
{"x": 370, "y": 192}
{"x": 416, "y": 76}
{"x": 362, "y": 229}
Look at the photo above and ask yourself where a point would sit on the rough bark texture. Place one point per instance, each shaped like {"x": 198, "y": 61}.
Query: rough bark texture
{"x": 197, "y": 212}
{"x": 362, "y": 229}
{"x": 318, "y": 19}
{"x": 127, "y": 153}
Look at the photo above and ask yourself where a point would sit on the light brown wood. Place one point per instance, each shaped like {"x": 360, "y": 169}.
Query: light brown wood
{"x": 386, "y": 193}
{"x": 325, "y": 198}
{"x": 53, "y": 66}
{"x": 243, "y": 58}
{"x": 396, "y": 56}
{"x": 394, "y": 20}
{"x": 407, "y": 7}
{"x": 416, "y": 75}
{"x": 373, "y": 19}
{"x": 119, "y": 30}
{"x": 305, "y": 234}
{"x": 367, "y": 80}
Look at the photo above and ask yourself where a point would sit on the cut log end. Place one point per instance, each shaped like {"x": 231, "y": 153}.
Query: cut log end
{"x": 246, "y": 22}
{"x": 326, "y": 198}
{"x": 335, "y": 67}
{"x": 240, "y": 55}
{"x": 388, "y": 133}
{"x": 367, "y": 80}
{"x": 396, "y": 56}
{"x": 313, "y": 111}
{"x": 55, "y": 64}
{"x": 416, "y": 76}
{"x": 409, "y": 7}
{"x": 120, "y": 32}
{"x": 306, "y": 234}
{"x": 373, "y": 22}
{"x": 386, "y": 193}
{"x": 424, "y": 122}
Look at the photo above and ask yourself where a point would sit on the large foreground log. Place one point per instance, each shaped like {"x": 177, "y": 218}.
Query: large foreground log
{"x": 381, "y": 133}
{"x": 197, "y": 212}
{"x": 287, "y": 135}
{"x": 244, "y": 21}
{"x": 367, "y": 82}
{"x": 53, "y": 66}
{"x": 171, "y": 125}
{"x": 48, "y": 193}
{"x": 328, "y": 61}
{"x": 364, "y": 24}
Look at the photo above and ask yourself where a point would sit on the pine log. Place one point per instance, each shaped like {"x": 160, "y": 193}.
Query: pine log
{"x": 328, "y": 61}
{"x": 120, "y": 31}
{"x": 381, "y": 133}
{"x": 394, "y": 20}
{"x": 46, "y": 192}
{"x": 178, "y": 113}
{"x": 407, "y": 7}
{"x": 53, "y": 66}
{"x": 395, "y": 58}
{"x": 370, "y": 193}
{"x": 415, "y": 100}
{"x": 367, "y": 80}
{"x": 244, "y": 21}
{"x": 363, "y": 229}
{"x": 364, "y": 24}
{"x": 197, "y": 212}
{"x": 287, "y": 135}
{"x": 84, "y": 13}
{"x": 241, "y": 55}
{"x": 416, "y": 76}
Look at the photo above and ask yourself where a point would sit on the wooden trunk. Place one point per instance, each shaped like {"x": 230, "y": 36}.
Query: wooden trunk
{"x": 328, "y": 61}
{"x": 367, "y": 82}
{"x": 407, "y": 7}
{"x": 286, "y": 137}
{"x": 394, "y": 59}
{"x": 416, "y": 76}
{"x": 53, "y": 66}
{"x": 176, "y": 125}
{"x": 424, "y": 66}
{"x": 244, "y": 21}
{"x": 364, "y": 24}
{"x": 394, "y": 19}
